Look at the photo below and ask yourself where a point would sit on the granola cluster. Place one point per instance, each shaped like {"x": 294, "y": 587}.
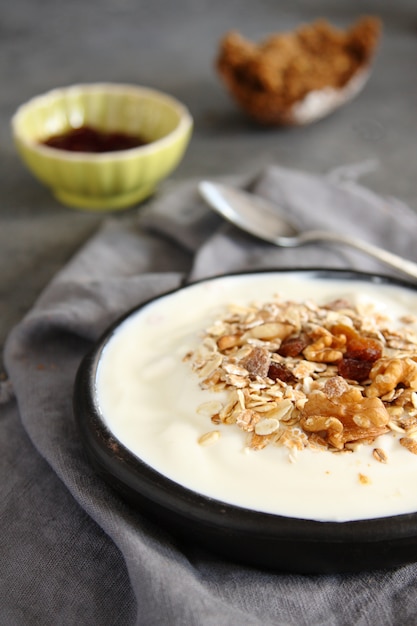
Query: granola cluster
{"x": 301, "y": 375}
{"x": 268, "y": 78}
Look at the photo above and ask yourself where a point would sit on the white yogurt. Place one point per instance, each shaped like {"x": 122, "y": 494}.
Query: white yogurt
{"x": 148, "y": 398}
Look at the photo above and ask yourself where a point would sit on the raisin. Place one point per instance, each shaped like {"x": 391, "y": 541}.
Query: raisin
{"x": 357, "y": 346}
{"x": 364, "y": 349}
{"x": 354, "y": 369}
{"x": 293, "y": 346}
{"x": 279, "y": 371}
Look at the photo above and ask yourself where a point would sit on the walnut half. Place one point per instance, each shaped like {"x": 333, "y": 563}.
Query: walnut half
{"x": 344, "y": 418}
{"x": 388, "y": 373}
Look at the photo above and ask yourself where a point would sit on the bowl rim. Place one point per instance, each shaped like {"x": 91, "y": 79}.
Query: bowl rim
{"x": 375, "y": 542}
{"x": 184, "y": 125}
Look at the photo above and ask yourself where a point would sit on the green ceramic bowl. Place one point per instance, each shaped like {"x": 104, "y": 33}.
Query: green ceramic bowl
{"x": 108, "y": 180}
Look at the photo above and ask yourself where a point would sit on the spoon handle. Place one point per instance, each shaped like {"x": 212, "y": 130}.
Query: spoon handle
{"x": 393, "y": 260}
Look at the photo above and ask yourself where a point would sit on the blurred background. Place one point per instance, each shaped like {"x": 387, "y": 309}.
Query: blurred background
{"x": 172, "y": 46}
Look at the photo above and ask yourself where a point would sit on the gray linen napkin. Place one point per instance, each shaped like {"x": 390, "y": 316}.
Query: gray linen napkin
{"x": 72, "y": 551}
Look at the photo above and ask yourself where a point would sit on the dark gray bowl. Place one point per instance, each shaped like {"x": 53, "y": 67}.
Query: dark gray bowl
{"x": 245, "y": 536}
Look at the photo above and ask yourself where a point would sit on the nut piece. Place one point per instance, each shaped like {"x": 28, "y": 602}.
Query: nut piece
{"x": 350, "y": 417}
{"x": 386, "y": 374}
{"x": 228, "y": 341}
{"x": 323, "y": 423}
{"x": 271, "y": 330}
{"x": 323, "y": 349}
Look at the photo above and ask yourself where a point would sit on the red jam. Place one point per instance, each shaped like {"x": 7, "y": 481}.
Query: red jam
{"x": 87, "y": 139}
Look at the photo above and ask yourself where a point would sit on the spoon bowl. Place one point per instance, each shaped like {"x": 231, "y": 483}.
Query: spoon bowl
{"x": 257, "y": 216}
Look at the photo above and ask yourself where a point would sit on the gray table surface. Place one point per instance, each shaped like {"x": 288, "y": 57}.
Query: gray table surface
{"x": 171, "y": 46}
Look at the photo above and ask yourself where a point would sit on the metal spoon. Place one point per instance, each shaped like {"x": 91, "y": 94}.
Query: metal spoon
{"x": 257, "y": 216}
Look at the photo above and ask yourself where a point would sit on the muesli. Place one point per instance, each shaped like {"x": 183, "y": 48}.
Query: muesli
{"x": 303, "y": 375}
